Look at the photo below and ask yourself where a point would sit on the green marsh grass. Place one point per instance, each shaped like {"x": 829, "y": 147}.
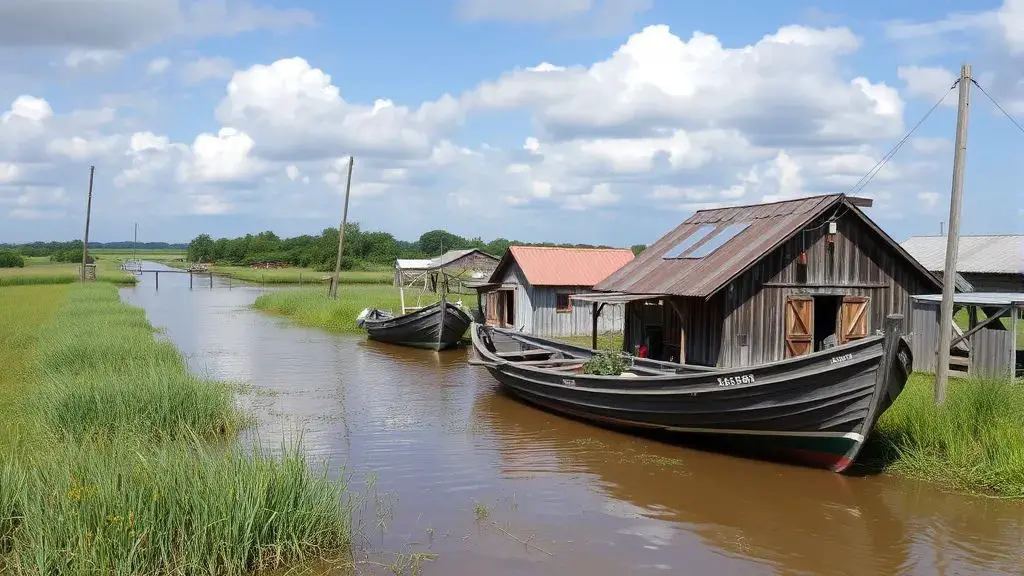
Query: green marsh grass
{"x": 106, "y": 459}
{"x": 41, "y": 271}
{"x": 301, "y": 275}
{"x": 312, "y": 307}
{"x": 974, "y": 442}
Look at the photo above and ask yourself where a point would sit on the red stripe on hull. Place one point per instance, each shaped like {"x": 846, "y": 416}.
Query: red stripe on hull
{"x": 834, "y": 462}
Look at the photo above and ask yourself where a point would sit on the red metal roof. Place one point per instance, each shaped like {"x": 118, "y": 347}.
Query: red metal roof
{"x": 770, "y": 225}
{"x": 550, "y": 266}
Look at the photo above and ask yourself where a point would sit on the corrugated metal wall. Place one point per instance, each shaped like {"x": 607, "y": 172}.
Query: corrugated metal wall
{"x": 535, "y": 310}
{"x": 992, "y": 349}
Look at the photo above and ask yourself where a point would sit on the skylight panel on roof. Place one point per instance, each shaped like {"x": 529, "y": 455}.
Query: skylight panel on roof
{"x": 718, "y": 240}
{"x": 689, "y": 241}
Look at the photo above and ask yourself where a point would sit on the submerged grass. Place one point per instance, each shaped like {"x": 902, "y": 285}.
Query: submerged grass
{"x": 310, "y": 307}
{"x": 973, "y": 442}
{"x": 106, "y": 464}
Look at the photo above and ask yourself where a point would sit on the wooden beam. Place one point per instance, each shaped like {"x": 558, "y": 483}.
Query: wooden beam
{"x": 594, "y": 311}
{"x": 975, "y": 326}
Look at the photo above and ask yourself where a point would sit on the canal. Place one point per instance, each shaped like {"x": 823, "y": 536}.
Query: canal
{"x": 446, "y": 464}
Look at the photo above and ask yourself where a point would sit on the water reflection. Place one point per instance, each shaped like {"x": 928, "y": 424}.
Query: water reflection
{"x": 439, "y": 437}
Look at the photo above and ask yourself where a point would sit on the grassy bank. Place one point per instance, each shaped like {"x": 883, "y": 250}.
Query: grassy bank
{"x": 113, "y": 456}
{"x": 300, "y": 275}
{"x": 312, "y": 307}
{"x": 605, "y": 340}
{"x": 39, "y": 271}
{"x": 973, "y": 442}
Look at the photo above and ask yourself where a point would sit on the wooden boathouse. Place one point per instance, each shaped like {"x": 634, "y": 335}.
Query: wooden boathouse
{"x": 531, "y": 287}
{"x": 745, "y": 285}
{"x": 459, "y": 265}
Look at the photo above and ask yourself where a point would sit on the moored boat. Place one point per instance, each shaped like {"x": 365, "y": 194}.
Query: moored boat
{"x": 437, "y": 326}
{"x": 818, "y": 408}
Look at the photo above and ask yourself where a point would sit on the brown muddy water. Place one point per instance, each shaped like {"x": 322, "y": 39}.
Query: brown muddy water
{"x": 457, "y": 469}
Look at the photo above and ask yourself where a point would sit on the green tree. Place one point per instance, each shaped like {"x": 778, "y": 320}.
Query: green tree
{"x": 200, "y": 249}
{"x": 638, "y": 248}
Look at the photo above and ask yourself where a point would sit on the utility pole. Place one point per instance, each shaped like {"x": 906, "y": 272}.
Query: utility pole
{"x": 341, "y": 232}
{"x": 953, "y": 236}
{"x": 88, "y": 214}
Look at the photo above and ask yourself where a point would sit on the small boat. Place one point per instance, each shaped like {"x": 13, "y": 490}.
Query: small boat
{"x": 817, "y": 409}
{"x": 437, "y": 326}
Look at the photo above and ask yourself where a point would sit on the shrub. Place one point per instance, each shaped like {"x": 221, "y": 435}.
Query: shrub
{"x": 606, "y": 363}
{"x": 11, "y": 259}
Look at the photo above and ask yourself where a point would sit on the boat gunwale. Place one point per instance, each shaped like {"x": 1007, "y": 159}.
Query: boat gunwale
{"x": 498, "y": 362}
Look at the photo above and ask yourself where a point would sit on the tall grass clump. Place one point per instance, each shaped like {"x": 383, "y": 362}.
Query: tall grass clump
{"x": 102, "y": 371}
{"x": 106, "y": 464}
{"x": 127, "y": 507}
{"x": 973, "y": 442}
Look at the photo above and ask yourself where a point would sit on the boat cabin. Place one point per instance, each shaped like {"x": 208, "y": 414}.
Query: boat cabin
{"x": 745, "y": 285}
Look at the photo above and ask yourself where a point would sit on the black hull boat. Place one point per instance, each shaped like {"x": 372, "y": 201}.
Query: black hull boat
{"x": 817, "y": 409}
{"x": 436, "y": 327}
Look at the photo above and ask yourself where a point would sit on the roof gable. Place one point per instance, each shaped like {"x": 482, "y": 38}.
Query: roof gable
{"x": 740, "y": 237}
{"x": 551, "y": 266}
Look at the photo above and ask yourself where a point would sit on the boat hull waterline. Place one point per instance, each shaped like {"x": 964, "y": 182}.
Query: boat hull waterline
{"x": 436, "y": 327}
{"x": 818, "y": 409}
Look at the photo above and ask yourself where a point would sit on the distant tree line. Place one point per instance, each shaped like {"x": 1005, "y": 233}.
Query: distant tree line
{"x": 364, "y": 250}
{"x": 51, "y": 248}
{"x": 57, "y": 251}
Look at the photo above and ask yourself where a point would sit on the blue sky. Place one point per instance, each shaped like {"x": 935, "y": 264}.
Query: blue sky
{"x": 604, "y": 121}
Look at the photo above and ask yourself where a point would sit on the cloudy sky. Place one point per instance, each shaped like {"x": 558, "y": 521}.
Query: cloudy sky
{"x": 563, "y": 120}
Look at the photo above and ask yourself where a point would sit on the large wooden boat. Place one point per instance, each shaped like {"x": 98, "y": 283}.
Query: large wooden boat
{"x": 818, "y": 408}
{"x": 437, "y": 326}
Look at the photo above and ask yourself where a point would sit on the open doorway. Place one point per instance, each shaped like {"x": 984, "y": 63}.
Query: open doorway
{"x": 826, "y": 321}
{"x": 509, "y": 300}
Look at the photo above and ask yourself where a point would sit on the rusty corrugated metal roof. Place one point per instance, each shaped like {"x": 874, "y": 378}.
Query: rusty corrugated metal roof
{"x": 550, "y": 266}
{"x": 770, "y": 226}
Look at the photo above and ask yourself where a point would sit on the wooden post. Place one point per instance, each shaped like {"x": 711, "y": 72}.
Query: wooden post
{"x": 401, "y": 296}
{"x": 189, "y": 280}
{"x": 211, "y": 280}
{"x": 88, "y": 215}
{"x": 593, "y": 327}
{"x": 953, "y": 237}
{"x": 157, "y": 273}
{"x": 341, "y": 232}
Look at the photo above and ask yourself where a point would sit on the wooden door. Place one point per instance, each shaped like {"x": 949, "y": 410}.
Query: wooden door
{"x": 491, "y": 305}
{"x": 853, "y": 318}
{"x": 799, "y": 326}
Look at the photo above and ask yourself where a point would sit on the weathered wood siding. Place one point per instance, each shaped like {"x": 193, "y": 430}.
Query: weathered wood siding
{"x": 924, "y": 341}
{"x": 743, "y": 324}
{"x": 535, "y": 309}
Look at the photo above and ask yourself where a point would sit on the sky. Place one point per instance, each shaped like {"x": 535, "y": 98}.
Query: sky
{"x": 591, "y": 121}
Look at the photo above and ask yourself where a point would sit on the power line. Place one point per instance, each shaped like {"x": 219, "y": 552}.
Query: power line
{"x": 867, "y": 178}
{"x": 1001, "y": 109}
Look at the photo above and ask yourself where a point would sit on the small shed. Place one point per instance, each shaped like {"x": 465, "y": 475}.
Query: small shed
{"x": 531, "y": 287}
{"x": 459, "y": 265}
{"x": 991, "y": 263}
{"x": 747, "y": 285}
{"x": 988, "y": 346}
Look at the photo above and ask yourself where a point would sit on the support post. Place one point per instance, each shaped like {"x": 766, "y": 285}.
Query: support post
{"x": 157, "y": 279}
{"x": 401, "y": 296}
{"x": 593, "y": 327}
{"x": 88, "y": 215}
{"x": 953, "y": 237}
{"x": 189, "y": 280}
{"x": 341, "y": 232}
